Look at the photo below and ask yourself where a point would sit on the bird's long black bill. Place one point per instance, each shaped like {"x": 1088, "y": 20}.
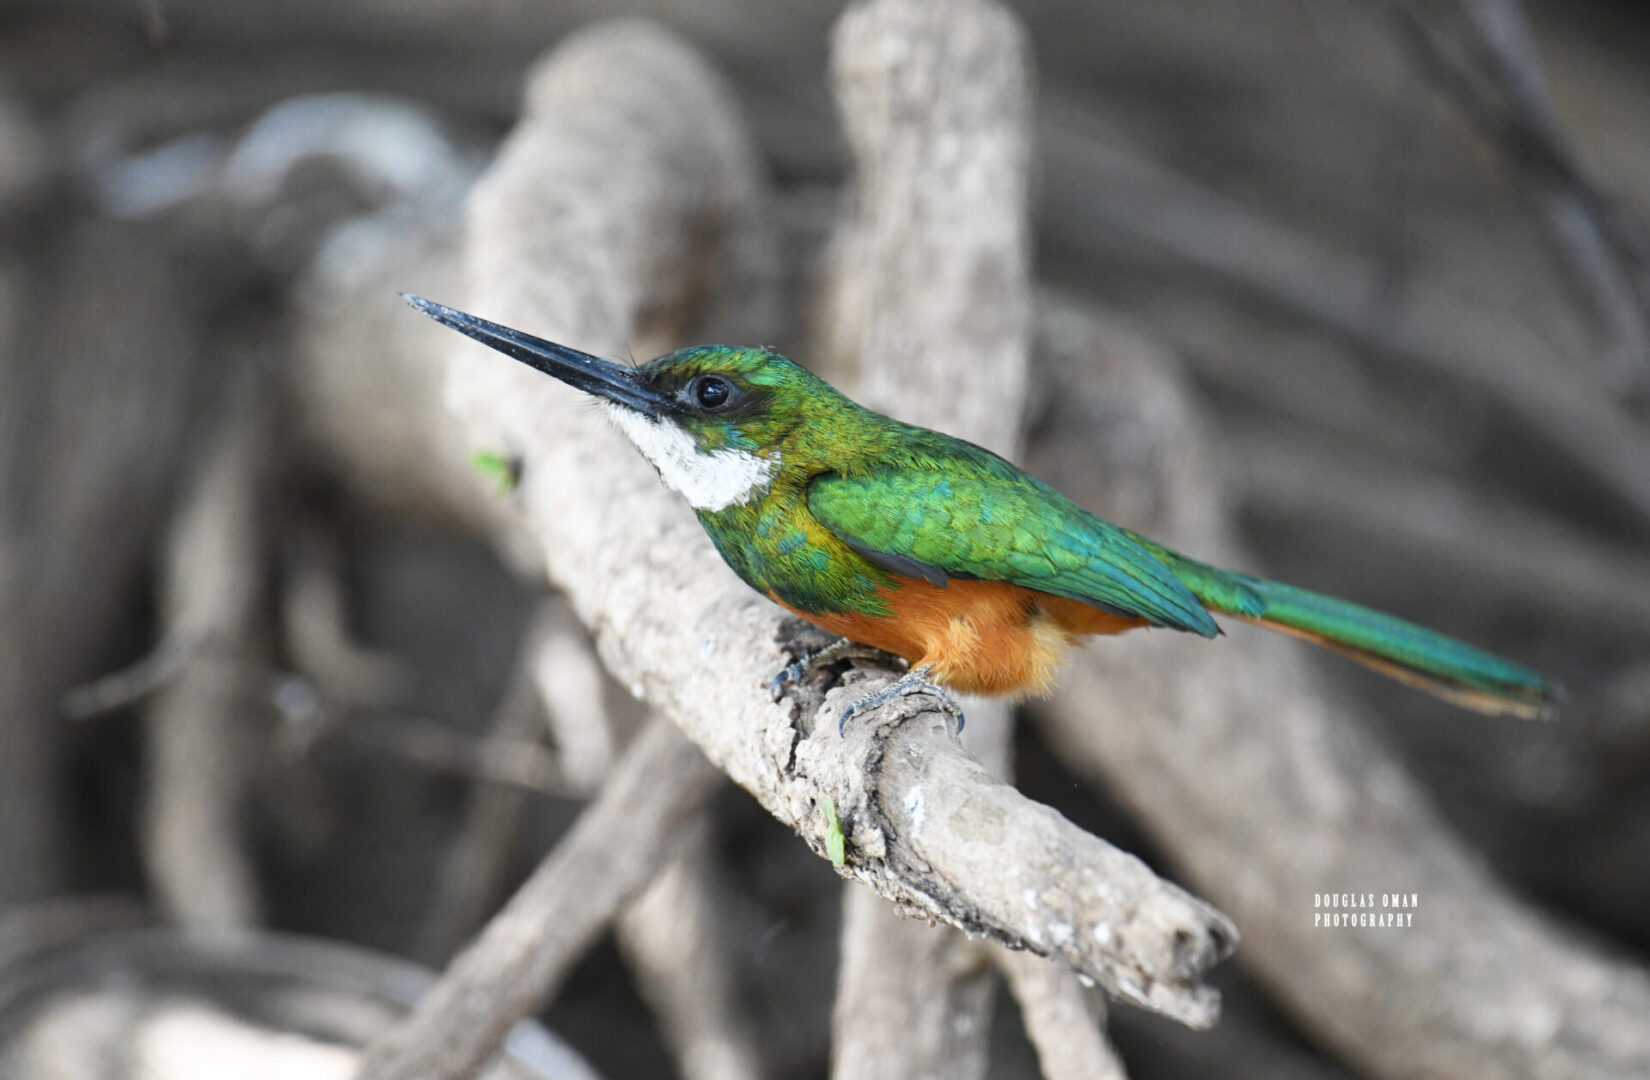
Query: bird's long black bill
{"x": 592, "y": 374}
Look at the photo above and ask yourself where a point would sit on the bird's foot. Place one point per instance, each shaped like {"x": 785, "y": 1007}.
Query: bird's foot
{"x": 811, "y": 660}
{"x": 915, "y": 681}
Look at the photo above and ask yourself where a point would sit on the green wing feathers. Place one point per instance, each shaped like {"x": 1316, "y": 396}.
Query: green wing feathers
{"x": 970, "y": 523}
{"x": 976, "y": 516}
{"x": 1411, "y": 654}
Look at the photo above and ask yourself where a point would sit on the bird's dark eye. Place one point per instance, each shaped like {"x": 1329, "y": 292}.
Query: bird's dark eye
{"x": 712, "y": 391}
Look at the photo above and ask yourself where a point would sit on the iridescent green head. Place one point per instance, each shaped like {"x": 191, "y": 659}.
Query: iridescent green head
{"x": 712, "y": 418}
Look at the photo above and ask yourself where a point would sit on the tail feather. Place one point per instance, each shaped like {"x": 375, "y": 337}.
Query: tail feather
{"x": 1401, "y": 650}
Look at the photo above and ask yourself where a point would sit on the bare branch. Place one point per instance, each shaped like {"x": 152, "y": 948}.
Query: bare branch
{"x": 930, "y": 298}
{"x": 628, "y": 155}
{"x": 1065, "y": 1021}
{"x": 134, "y": 682}
{"x": 912, "y": 1000}
{"x": 617, "y": 845}
{"x": 514, "y": 757}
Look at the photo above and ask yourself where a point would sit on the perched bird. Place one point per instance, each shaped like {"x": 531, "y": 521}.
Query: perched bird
{"x": 938, "y": 551}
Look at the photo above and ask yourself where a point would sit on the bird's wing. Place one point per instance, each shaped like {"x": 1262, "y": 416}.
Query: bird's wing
{"x": 1011, "y": 527}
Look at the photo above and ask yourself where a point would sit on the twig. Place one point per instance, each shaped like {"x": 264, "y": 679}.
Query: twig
{"x": 514, "y": 757}
{"x": 1065, "y": 1021}
{"x": 615, "y": 847}
{"x": 1267, "y": 790}
{"x": 628, "y": 152}
{"x": 134, "y": 682}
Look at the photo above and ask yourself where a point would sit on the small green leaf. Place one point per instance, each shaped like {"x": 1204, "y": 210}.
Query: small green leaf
{"x": 836, "y": 845}
{"x": 496, "y": 467}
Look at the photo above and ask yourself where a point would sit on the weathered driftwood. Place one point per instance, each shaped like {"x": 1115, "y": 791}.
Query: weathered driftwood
{"x": 1268, "y": 790}
{"x": 588, "y": 221}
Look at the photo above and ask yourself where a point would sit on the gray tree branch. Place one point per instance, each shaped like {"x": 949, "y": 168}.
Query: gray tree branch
{"x": 1065, "y": 1021}
{"x": 617, "y": 845}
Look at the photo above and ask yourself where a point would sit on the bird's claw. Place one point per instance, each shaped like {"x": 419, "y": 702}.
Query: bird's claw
{"x": 790, "y": 673}
{"x": 810, "y": 660}
{"x": 915, "y": 681}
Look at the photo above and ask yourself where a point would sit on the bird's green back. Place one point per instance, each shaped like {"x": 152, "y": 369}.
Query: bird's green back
{"x": 859, "y": 496}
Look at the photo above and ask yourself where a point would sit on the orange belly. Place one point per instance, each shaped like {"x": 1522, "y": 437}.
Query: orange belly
{"x": 978, "y": 637}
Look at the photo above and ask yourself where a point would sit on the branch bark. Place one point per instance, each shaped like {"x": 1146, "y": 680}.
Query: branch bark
{"x": 593, "y": 218}
{"x": 912, "y": 1000}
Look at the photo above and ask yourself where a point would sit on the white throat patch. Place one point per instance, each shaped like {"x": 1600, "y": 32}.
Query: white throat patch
{"x": 712, "y": 481}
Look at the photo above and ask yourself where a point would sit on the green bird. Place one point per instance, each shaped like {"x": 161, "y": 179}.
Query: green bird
{"x": 916, "y": 543}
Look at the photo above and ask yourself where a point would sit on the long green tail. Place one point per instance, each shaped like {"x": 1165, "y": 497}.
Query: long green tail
{"x": 1411, "y": 654}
